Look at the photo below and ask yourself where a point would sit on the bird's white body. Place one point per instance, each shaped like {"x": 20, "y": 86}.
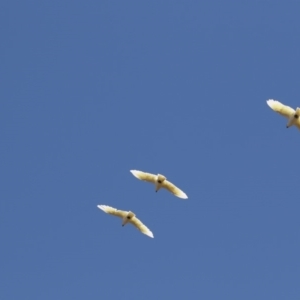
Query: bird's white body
{"x": 127, "y": 217}
{"x": 160, "y": 181}
{"x": 292, "y": 115}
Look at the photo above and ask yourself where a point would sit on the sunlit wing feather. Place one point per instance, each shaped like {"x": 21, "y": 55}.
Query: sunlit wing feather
{"x": 140, "y": 226}
{"x": 280, "y": 108}
{"x": 113, "y": 211}
{"x": 144, "y": 176}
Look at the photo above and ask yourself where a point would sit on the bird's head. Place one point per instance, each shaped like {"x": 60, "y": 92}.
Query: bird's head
{"x": 130, "y": 215}
{"x": 160, "y": 178}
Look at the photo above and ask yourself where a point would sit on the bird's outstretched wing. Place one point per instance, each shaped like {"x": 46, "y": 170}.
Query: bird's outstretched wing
{"x": 141, "y": 227}
{"x": 174, "y": 189}
{"x": 144, "y": 176}
{"x": 113, "y": 211}
{"x": 280, "y": 108}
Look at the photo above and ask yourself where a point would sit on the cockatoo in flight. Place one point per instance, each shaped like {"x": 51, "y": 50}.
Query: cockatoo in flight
{"x": 160, "y": 181}
{"x": 128, "y": 217}
{"x": 292, "y": 115}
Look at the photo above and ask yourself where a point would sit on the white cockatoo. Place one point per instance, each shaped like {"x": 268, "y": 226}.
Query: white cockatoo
{"x": 160, "y": 181}
{"x": 128, "y": 217}
{"x": 292, "y": 115}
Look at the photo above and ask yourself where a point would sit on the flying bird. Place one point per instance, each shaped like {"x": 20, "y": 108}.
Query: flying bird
{"x": 160, "y": 181}
{"x": 292, "y": 115}
{"x": 128, "y": 217}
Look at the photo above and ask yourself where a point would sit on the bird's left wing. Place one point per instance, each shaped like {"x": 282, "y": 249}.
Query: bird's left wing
{"x": 174, "y": 189}
{"x": 140, "y": 226}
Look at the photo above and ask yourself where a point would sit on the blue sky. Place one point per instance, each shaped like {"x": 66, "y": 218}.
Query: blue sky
{"x": 93, "y": 89}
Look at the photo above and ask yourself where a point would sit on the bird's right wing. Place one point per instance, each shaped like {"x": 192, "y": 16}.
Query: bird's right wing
{"x": 141, "y": 227}
{"x": 113, "y": 211}
{"x": 280, "y": 108}
{"x": 144, "y": 176}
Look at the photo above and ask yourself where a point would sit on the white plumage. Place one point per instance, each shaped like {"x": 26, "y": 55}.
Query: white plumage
{"x": 160, "y": 181}
{"x": 292, "y": 115}
{"x": 128, "y": 217}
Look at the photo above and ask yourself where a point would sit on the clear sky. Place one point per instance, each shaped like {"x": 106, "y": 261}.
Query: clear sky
{"x": 93, "y": 89}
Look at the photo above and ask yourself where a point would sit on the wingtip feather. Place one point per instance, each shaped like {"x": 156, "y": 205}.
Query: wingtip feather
{"x": 136, "y": 173}
{"x": 102, "y": 207}
{"x": 271, "y": 102}
{"x": 150, "y": 234}
{"x": 182, "y": 195}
